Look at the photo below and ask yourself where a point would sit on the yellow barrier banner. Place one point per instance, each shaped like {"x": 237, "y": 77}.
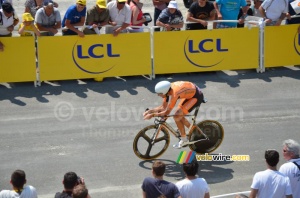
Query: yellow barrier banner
{"x": 282, "y": 45}
{"x": 17, "y": 61}
{"x": 206, "y": 50}
{"x": 73, "y": 57}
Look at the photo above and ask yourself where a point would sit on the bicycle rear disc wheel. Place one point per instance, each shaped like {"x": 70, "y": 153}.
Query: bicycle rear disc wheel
{"x": 213, "y": 130}
{"x": 143, "y": 146}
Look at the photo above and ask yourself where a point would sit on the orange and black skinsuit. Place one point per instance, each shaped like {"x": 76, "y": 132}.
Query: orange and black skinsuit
{"x": 189, "y": 94}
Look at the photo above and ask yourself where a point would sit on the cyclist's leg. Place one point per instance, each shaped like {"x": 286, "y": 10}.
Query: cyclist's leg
{"x": 186, "y": 106}
{"x": 179, "y": 115}
{"x": 183, "y": 109}
{"x": 179, "y": 120}
{"x": 189, "y": 105}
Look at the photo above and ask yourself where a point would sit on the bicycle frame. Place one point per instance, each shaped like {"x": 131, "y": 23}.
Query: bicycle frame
{"x": 162, "y": 123}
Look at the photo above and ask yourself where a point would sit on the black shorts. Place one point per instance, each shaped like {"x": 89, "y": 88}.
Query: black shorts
{"x": 199, "y": 96}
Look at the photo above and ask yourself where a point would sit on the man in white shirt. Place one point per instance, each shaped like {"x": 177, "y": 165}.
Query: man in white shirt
{"x": 192, "y": 186}
{"x": 18, "y": 180}
{"x": 120, "y": 15}
{"x": 291, "y": 152}
{"x": 274, "y": 11}
{"x": 48, "y": 19}
{"x": 271, "y": 183}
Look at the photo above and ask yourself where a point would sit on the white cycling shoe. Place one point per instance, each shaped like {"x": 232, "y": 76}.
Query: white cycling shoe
{"x": 181, "y": 144}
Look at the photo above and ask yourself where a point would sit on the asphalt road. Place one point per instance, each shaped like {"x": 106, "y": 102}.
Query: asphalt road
{"x": 88, "y": 127}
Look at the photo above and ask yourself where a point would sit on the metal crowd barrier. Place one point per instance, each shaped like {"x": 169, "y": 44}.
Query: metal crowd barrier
{"x": 260, "y": 24}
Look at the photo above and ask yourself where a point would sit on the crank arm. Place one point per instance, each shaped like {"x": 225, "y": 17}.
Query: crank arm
{"x": 193, "y": 142}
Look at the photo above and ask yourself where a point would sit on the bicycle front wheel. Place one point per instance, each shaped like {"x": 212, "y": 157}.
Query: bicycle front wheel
{"x": 215, "y": 133}
{"x": 147, "y": 147}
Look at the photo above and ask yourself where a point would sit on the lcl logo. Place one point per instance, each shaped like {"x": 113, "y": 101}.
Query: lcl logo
{"x": 196, "y": 51}
{"x": 95, "y": 58}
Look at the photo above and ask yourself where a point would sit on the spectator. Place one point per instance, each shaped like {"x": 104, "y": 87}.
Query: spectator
{"x": 271, "y": 183}
{"x": 159, "y": 6}
{"x": 230, "y": 11}
{"x": 80, "y": 191}
{"x": 120, "y": 16}
{"x": 27, "y": 27}
{"x": 70, "y": 181}
{"x": 257, "y": 4}
{"x": 75, "y": 16}
{"x": 48, "y": 19}
{"x": 274, "y": 11}
{"x": 18, "y": 180}
{"x": 96, "y": 17}
{"x": 32, "y": 6}
{"x": 8, "y": 20}
{"x": 170, "y": 18}
{"x": 291, "y": 13}
{"x": 200, "y": 12}
{"x": 137, "y": 18}
{"x": 249, "y": 13}
{"x": 192, "y": 186}
{"x": 157, "y": 187}
{"x": 291, "y": 152}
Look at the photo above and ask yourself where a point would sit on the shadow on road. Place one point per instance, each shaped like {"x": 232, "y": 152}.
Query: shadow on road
{"x": 211, "y": 171}
{"x": 14, "y": 92}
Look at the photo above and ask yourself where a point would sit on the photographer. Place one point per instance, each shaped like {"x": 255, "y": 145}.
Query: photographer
{"x": 70, "y": 181}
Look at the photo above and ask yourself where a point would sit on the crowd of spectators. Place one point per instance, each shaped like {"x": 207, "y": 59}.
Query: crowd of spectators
{"x": 74, "y": 187}
{"x": 121, "y": 16}
{"x": 271, "y": 182}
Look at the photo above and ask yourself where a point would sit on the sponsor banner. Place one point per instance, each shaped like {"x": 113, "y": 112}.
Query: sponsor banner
{"x": 206, "y": 50}
{"x": 282, "y": 45}
{"x": 72, "y": 57}
{"x": 17, "y": 60}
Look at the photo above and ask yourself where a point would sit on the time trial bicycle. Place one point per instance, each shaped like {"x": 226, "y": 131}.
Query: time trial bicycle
{"x": 152, "y": 141}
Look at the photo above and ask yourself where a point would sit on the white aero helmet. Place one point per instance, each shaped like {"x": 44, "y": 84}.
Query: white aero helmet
{"x": 162, "y": 87}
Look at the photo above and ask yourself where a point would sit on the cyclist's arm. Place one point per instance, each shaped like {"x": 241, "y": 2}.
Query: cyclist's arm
{"x": 166, "y": 111}
{"x": 167, "y": 108}
{"x": 158, "y": 109}
{"x": 155, "y": 111}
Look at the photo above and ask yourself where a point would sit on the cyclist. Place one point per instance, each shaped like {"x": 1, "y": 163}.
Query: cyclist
{"x": 190, "y": 97}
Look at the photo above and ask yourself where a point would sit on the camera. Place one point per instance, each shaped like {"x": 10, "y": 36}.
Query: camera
{"x": 148, "y": 18}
